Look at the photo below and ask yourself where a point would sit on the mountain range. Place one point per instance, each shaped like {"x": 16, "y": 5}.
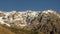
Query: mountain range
{"x": 46, "y": 22}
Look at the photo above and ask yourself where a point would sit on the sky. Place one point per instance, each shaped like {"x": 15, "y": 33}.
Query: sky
{"x": 36, "y": 5}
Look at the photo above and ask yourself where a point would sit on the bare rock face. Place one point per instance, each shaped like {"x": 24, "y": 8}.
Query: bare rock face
{"x": 47, "y": 22}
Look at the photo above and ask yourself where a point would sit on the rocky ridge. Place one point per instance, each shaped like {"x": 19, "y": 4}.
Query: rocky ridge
{"x": 23, "y": 18}
{"x": 47, "y": 21}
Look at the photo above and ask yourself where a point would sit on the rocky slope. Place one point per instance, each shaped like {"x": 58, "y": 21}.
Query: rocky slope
{"x": 4, "y": 30}
{"x": 47, "y": 22}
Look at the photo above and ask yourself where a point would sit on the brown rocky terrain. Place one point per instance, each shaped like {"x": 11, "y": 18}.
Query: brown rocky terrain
{"x": 46, "y": 22}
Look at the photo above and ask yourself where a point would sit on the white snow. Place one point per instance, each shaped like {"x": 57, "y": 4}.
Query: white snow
{"x": 7, "y": 24}
{"x": 1, "y": 20}
{"x": 22, "y": 16}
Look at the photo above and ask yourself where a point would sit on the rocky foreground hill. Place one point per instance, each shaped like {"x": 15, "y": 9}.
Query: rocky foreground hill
{"x": 31, "y": 22}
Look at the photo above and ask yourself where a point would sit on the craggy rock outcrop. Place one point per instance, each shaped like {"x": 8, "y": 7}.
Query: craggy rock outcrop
{"x": 47, "y": 22}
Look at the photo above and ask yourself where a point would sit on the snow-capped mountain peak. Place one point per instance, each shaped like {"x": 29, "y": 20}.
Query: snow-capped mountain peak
{"x": 22, "y": 19}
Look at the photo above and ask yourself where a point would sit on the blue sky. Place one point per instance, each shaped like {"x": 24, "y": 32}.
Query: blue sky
{"x": 18, "y": 5}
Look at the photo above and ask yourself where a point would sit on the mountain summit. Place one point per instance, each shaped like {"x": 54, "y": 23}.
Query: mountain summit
{"x": 45, "y": 21}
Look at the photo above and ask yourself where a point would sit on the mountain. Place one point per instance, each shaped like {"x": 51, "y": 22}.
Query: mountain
{"x": 46, "y": 22}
